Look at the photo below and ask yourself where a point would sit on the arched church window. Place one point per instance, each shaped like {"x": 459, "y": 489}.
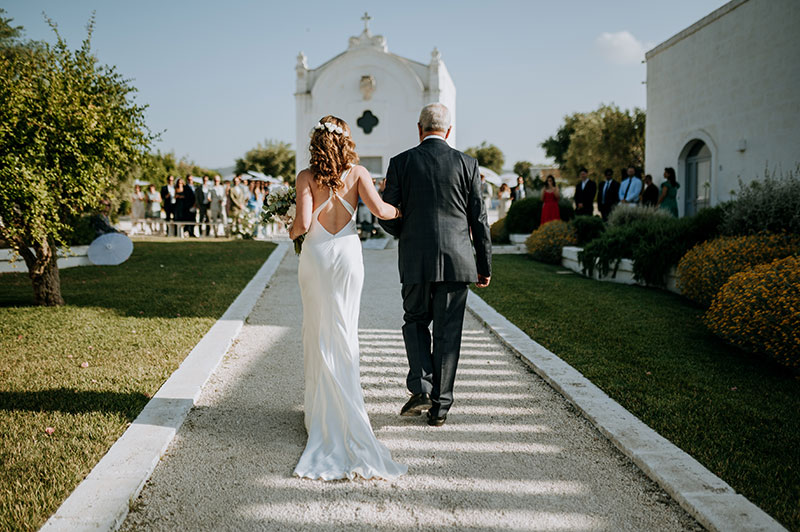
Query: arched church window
{"x": 367, "y": 122}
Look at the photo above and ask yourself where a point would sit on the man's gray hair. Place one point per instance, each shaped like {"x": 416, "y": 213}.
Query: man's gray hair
{"x": 434, "y": 117}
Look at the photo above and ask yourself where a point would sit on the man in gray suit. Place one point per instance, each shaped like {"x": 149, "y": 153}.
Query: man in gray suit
{"x": 438, "y": 190}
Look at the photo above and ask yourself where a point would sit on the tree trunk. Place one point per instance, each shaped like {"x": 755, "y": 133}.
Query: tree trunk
{"x": 42, "y": 265}
{"x": 47, "y": 283}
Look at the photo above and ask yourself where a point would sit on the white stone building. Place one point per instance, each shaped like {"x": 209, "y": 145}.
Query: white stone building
{"x": 723, "y": 100}
{"x": 378, "y": 93}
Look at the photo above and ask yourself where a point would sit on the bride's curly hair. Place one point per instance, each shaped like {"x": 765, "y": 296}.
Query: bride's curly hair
{"x": 331, "y": 153}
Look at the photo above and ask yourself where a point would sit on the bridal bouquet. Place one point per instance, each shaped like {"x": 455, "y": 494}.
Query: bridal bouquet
{"x": 280, "y": 205}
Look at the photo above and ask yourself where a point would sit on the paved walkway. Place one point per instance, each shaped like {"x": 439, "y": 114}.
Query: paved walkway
{"x": 513, "y": 455}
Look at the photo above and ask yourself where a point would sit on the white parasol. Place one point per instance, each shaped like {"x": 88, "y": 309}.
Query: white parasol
{"x": 110, "y": 249}
{"x": 260, "y": 176}
{"x": 490, "y": 175}
{"x": 140, "y": 182}
{"x": 509, "y": 178}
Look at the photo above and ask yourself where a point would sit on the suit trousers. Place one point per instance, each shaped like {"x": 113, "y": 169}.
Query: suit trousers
{"x": 433, "y": 370}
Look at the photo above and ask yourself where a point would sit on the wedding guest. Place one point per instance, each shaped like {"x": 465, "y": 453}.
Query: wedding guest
{"x": 191, "y": 205}
{"x": 669, "y": 192}
{"x": 184, "y": 201}
{"x": 518, "y": 192}
{"x": 168, "y": 199}
{"x": 254, "y": 203}
{"x": 608, "y": 195}
{"x": 202, "y": 198}
{"x": 191, "y": 215}
{"x": 153, "y": 207}
{"x": 137, "y": 208}
{"x": 585, "y": 191}
{"x": 219, "y": 202}
{"x": 649, "y": 192}
{"x": 227, "y": 186}
{"x": 504, "y": 200}
{"x": 631, "y": 187}
{"x": 237, "y": 201}
{"x": 550, "y": 197}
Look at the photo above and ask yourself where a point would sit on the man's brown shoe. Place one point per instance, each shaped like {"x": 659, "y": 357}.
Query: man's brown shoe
{"x": 416, "y": 405}
{"x": 436, "y": 421}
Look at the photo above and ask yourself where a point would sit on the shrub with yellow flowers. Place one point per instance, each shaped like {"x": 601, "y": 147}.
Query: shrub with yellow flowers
{"x": 708, "y": 266}
{"x": 759, "y": 310}
{"x": 546, "y": 242}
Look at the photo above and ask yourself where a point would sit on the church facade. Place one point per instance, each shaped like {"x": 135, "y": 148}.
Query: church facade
{"x": 378, "y": 93}
{"x": 723, "y": 100}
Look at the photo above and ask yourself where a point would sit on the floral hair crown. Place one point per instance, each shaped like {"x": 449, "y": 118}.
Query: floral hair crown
{"x": 330, "y": 126}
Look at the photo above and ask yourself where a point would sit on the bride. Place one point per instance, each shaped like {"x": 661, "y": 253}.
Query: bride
{"x": 341, "y": 443}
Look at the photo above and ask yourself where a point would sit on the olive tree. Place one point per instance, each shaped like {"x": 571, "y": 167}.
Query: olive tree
{"x": 488, "y": 155}
{"x": 69, "y": 128}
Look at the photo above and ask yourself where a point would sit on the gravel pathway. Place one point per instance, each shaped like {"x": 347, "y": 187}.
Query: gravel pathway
{"x": 513, "y": 455}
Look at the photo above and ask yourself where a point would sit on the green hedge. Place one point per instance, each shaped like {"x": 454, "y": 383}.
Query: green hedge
{"x": 765, "y": 205}
{"x": 587, "y": 228}
{"x": 655, "y": 244}
{"x": 524, "y": 216}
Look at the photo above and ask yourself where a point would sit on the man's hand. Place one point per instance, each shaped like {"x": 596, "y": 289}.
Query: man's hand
{"x": 483, "y": 281}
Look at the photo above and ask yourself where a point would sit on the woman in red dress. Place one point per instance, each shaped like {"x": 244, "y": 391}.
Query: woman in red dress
{"x": 550, "y": 197}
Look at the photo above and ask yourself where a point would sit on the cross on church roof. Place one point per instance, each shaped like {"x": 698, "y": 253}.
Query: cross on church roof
{"x": 366, "y": 18}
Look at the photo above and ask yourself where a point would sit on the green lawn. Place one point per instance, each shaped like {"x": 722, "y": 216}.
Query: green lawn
{"x": 649, "y": 351}
{"x": 133, "y": 324}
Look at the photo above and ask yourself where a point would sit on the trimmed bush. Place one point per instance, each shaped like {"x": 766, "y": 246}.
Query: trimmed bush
{"x": 707, "y": 223}
{"x": 624, "y": 214}
{"x": 524, "y": 216}
{"x": 708, "y": 266}
{"x": 766, "y": 205}
{"x": 654, "y": 243}
{"x": 759, "y": 310}
{"x": 587, "y": 228}
{"x": 545, "y": 244}
{"x": 566, "y": 209}
{"x": 498, "y": 231}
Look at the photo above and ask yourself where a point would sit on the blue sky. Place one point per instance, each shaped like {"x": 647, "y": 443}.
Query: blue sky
{"x": 219, "y": 76}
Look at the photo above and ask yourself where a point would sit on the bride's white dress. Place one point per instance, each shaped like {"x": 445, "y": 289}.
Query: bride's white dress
{"x": 341, "y": 443}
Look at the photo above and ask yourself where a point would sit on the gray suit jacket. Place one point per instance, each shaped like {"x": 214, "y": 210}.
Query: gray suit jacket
{"x": 438, "y": 190}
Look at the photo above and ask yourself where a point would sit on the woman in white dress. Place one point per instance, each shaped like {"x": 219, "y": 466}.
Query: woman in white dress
{"x": 341, "y": 443}
{"x": 137, "y": 208}
{"x": 504, "y": 200}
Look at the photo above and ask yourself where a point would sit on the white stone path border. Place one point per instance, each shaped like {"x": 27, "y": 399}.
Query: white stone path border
{"x": 101, "y": 501}
{"x": 705, "y": 496}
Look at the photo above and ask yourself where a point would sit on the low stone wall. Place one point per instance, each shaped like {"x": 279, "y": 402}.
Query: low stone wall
{"x": 77, "y": 256}
{"x": 624, "y": 275}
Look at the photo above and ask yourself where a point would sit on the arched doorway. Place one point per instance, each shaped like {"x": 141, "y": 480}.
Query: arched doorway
{"x": 697, "y": 169}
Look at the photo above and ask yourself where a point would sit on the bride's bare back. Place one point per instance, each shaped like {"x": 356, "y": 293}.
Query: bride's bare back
{"x": 334, "y": 216}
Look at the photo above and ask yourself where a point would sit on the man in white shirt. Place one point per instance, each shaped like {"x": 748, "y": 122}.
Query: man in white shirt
{"x": 518, "y": 192}
{"x": 203, "y": 202}
{"x": 218, "y": 202}
{"x": 168, "y": 200}
{"x": 630, "y": 188}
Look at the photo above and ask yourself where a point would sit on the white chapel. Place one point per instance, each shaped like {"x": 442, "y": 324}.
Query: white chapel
{"x": 378, "y": 93}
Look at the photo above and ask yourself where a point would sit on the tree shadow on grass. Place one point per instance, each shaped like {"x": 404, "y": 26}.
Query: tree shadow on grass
{"x": 160, "y": 279}
{"x": 71, "y": 401}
